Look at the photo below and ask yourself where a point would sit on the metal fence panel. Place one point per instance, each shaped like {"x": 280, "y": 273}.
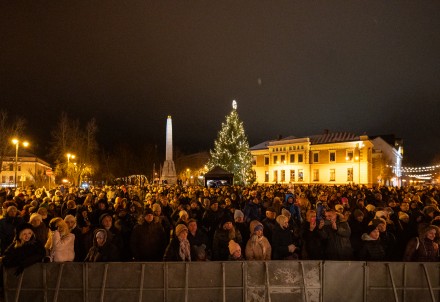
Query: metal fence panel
{"x": 343, "y": 281}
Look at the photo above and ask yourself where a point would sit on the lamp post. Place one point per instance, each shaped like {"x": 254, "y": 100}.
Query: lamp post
{"x": 359, "y": 146}
{"x": 69, "y": 156}
{"x": 16, "y": 142}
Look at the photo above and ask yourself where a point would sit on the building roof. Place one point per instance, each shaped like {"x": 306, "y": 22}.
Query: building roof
{"x": 326, "y": 138}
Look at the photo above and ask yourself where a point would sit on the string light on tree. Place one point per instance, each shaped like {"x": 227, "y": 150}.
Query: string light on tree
{"x": 231, "y": 149}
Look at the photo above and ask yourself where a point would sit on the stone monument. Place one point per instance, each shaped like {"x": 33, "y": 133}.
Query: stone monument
{"x": 169, "y": 170}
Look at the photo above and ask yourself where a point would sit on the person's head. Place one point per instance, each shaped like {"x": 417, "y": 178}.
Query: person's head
{"x": 24, "y": 233}
{"x": 271, "y": 213}
{"x": 373, "y": 232}
{"x": 157, "y": 209}
{"x": 148, "y": 215}
{"x": 183, "y": 215}
{"x": 358, "y": 215}
{"x": 11, "y": 211}
{"x": 70, "y": 220}
{"x": 214, "y": 206}
{"x": 380, "y": 223}
{"x": 35, "y": 220}
{"x": 181, "y": 231}
{"x": 256, "y": 228}
{"x": 58, "y": 223}
{"x": 100, "y": 237}
{"x": 330, "y": 215}
{"x": 227, "y": 223}
{"x": 192, "y": 226}
{"x": 404, "y": 217}
{"x": 283, "y": 221}
{"x": 238, "y": 216}
{"x": 310, "y": 214}
{"x": 234, "y": 249}
{"x": 106, "y": 220}
{"x": 404, "y": 206}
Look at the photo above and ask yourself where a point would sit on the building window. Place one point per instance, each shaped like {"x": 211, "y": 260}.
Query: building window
{"x": 283, "y": 159}
{"x": 266, "y": 160}
{"x": 283, "y": 175}
{"x": 332, "y": 175}
{"x": 266, "y": 176}
{"x": 315, "y": 174}
{"x": 292, "y": 158}
{"x": 275, "y": 176}
{"x": 300, "y": 175}
{"x": 300, "y": 158}
{"x": 332, "y": 156}
{"x": 275, "y": 159}
{"x": 11, "y": 167}
{"x": 316, "y": 157}
{"x": 11, "y": 178}
{"x": 292, "y": 175}
{"x": 350, "y": 174}
{"x": 349, "y": 156}
{"x": 254, "y": 160}
{"x": 19, "y": 168}
{"x": 3, "y": 179}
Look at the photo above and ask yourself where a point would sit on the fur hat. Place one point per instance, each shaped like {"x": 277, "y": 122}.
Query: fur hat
{"x": 233, "y": 247}
{"x": 403, "y": 215}
{"x": 180, "y": 228}
{"x": 183, "y": 213}
{"x": 21, "y": 227}
{"x": 286, "y": 213}
{"x": 339, "y": 208}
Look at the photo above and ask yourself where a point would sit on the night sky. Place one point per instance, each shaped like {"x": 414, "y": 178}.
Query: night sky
{"x": 294, "y": 67}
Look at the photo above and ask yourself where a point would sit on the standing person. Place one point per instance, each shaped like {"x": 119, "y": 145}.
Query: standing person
{"x": 371, "y": 249}
{"x": 80, "y": 252}
{"x": 24, "y": 251}
{"x": 258, "y": 247}
{"x": 179, "y": 248}
{"x": 60, "y": 243}
{"x": 337, "y": 234}
{"x": 7, "y": 227}
{"x": 198, "y": 241}
{"x": 222, "y": 236}
{"x": 102, "y": 250}
{"x": 40, "y": 228}
{"x": 312, "y": 243}
{"x": 148, "y": 241}
{"x": 283, "y": 244}
{"x": 423, "y": 248}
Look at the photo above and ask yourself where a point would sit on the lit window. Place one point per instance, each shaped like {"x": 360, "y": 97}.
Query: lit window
{"x": 300, "y": 175}
{"x": 315, "y": 174}
{"x": 332, "y": 175}
{"x": 332, "y": 156}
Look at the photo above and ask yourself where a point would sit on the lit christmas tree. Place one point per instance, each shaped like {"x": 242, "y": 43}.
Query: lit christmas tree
{"x": 231, "y": 150}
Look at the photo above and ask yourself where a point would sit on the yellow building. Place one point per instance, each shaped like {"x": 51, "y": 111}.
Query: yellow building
{"x": 31, "y": 170}
{"x": 330, "y": 158}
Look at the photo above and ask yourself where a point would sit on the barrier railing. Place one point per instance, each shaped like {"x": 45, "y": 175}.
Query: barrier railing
{"x": 307, "y": 281}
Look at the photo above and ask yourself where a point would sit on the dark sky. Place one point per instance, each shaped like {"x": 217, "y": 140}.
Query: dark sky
{"x": 294, "y": 67}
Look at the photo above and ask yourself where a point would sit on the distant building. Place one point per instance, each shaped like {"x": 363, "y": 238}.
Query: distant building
{"x": 30, "y": 170}
{"x": 330, "y": 158}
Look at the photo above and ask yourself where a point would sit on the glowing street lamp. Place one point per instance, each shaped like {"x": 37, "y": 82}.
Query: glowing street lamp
{"x": 16, "y": 142}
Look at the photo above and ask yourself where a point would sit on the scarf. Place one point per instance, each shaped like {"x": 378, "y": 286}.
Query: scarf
{"x": 184, "y": 250}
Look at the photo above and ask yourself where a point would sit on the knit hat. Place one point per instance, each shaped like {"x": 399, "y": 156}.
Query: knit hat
{"x": 183, "y": 213}
{"x": 339, "y": 208}
{"x": 227, "y": 219}
{"x": 237, "y": 214}
{"x": 21, "y": 227}
{"x": 148, "y": 211}
{"x": 233, "y": 247}
{"x": 377, "y": 221}
{"x": 180, "y": 228}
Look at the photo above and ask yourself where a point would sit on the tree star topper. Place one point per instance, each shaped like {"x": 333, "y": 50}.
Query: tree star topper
{"x": 234, "y": 105}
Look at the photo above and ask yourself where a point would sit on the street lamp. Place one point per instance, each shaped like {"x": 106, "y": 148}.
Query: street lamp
{"x": 16, "y": 142}
{"x": 69, "y": 156}
{"x": 359, "y": 146}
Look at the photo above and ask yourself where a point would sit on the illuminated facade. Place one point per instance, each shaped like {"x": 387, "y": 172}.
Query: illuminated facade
{"x": 30, "y": 170}
{"x": 330, "y": 158}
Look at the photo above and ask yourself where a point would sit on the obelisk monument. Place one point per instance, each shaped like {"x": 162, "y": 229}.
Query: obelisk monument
{"x": 169, "y": 170}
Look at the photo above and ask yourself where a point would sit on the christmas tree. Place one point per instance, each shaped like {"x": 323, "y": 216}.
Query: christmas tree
{"x": 231, "y": 150}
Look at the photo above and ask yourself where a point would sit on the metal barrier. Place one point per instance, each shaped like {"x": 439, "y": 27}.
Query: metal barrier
{"x": 308, "y": 281}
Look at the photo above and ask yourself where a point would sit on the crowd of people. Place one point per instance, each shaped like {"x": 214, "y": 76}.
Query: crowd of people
{"x": 194, "y": 223}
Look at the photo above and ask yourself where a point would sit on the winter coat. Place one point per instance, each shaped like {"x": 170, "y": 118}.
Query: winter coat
{"x": 7, "y": 230}
{"x": 281, "y": 239}
{"x": 220, "y": 249}
{"x": 148, "y": 242}
{"x": 63, "y": 248}
{"x": 172, "y": 251}
{"x": 371, "y": 249}
{"x": 258, "y": 248}
{"x": 23, "y": 256}
{"x": 337, "y": 245}
{"x": 312, "y": 244}
{"x": 106, "y": 253}
{"x": 421, "y": 250}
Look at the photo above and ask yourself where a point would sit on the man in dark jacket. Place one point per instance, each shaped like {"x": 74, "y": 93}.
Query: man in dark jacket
{"x": 148, "y": 241}
{"x": 336, "y": 233}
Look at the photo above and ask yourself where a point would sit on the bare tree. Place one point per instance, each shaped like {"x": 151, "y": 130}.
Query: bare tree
{"x": 8, "y": 129}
